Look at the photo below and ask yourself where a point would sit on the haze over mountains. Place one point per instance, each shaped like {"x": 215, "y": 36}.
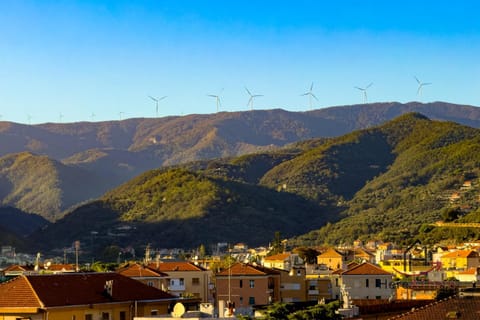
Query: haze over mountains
{"x": 46, "y": 169}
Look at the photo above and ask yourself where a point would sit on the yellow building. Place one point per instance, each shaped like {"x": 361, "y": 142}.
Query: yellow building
{"x": 283, "y": 261}
{"x": 460, "y": 260}
{"x": 333, "y": 259}
{"x": 186, "y": 279}
{"x": 89, "y": 296}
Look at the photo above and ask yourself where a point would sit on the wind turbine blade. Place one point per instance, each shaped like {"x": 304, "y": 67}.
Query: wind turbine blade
{"x": 248, "y": 91}
{"x": 162, "y": 98}
{"x": 153, "y": 98}
{"x": 212, "y": 95}
{"x": 426, "y": 84}
{"x": 305, "y": 94}
{"x": 257, "y": 95}
{"x": 249, "y": 101}
{"x": 314, "y": 96}
{"x": 369, "y": 85}
{"x": 418, "y": 81}
{"x": 361, "y": 89}
{"x": 311, "y": 87}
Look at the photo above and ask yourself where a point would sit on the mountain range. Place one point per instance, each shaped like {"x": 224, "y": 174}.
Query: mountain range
{"x": 239, "y": 176}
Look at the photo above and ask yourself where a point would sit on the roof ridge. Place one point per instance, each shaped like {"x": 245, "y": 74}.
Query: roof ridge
{"x": 33, "y": 291}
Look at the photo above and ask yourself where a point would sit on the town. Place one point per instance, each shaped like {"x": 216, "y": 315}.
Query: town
{"x": 364, "y": 279}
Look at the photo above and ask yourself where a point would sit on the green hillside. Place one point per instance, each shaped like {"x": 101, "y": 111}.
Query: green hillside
{"x": 180, "y": 208}
{"x": 388, "y": 182}
{"x": 40, "y": 185}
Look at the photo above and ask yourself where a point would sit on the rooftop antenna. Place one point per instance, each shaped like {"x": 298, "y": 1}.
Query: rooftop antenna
{"x": 364, "y": 90}
{"x": 420, "y": 86}
{"x": 156, "y": 103}
{"x": 252, "y": 97}
{"x": 310, "y": 95}
{"x": 217, "y": 99}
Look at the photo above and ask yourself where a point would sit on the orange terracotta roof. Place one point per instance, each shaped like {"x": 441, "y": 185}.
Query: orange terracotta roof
{"x": 330, "y": 253}
{"x": 461, "y": 254}
{"x": 175, "y": 266}
{"x": 244, "y": 269}
{"x": 366, "y": 269}
{"x": 74, "y": 289}
{"x": 16, "y": 267}
{"x": 453, "y": 308}
{"x": 138, "y": 270}
{"x": 18, "y": 293}
{"x": 469, "y": 271}
{"x": 278, "y": 257}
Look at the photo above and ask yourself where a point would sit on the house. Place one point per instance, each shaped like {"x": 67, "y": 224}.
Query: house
{"x": 145, "y": 275}
{"x": 334, "y": 259}
{"x": 86, "y": 296}
{"x": 246, "y": 285}
{"x": 459, "y": 260}
{"x": 470, "y": 275}
{"x": 367, "y": 281}
{"x": 186, "y": 279}
{"x": 293, "y": 287}
{"x": 283, "y": 261}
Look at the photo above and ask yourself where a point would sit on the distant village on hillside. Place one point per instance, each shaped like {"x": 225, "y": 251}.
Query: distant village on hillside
{"x": 372, "y": 278}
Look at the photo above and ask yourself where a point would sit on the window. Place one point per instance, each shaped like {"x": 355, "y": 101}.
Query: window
{"x": 182, "y": 282}
{"x": 336, "y": 282}
{"x": 105, "y": 316}
{"x": 378, "y": 283}
{"x": 150, "y": 283}
{"x": 366, "y": 283}
{"x": 252, "y": 283}
{"x": 195, "y": 281}
{"x": 154, "y": 312}
{"x": 251, "y": 300}
{"x": 241, "y": 300}
{"x": 88, "y": 317}
{"x": 74, "y": 317}
{"x": 123, "y": 315}
{"x": 378, "y": 297}
{"x": 240, "y": 283}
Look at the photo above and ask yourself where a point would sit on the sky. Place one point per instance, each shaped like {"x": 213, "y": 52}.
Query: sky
{"x": 69, "y": 61}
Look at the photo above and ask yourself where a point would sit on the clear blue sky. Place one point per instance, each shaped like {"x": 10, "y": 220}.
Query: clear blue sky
{"x": 76, "y": 58}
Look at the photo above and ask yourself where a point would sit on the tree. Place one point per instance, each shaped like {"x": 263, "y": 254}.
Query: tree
{"x": 277, "y": 246}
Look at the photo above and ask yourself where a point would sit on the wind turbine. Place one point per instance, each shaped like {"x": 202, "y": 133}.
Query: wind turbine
{"x": 364, "y": 90}
{"x": 252, "y": 97}
{"x": 217, "y": 99}
{"x": 120, "y": 114}
{"x": 420, "y": 86}
{"x": 29, "y": 117}
{"x": 92, "y": 116}
{"x": 156, "y": 102}
{"x": 60, "y": 117}
{"x": 310, "y": 95}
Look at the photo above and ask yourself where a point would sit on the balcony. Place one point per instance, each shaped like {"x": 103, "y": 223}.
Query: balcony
{"x": 313, "y": 292}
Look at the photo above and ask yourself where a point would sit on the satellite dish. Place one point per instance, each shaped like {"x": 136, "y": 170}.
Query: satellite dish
{"x": 178, "y": 310}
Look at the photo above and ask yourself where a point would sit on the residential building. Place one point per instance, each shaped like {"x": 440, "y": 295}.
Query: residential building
{"x": 367, "y": 281}
{"x": 246, "y": 285}
{"x": 88, "y": 296}
{"x": 334, "y": 259}
{"x": 186, "y": 279}
{"x": 460, "y": 260}
{"x": 145, "y": 275}
{"x": 283, "y": 261}
{"x": 293, "y": 285}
